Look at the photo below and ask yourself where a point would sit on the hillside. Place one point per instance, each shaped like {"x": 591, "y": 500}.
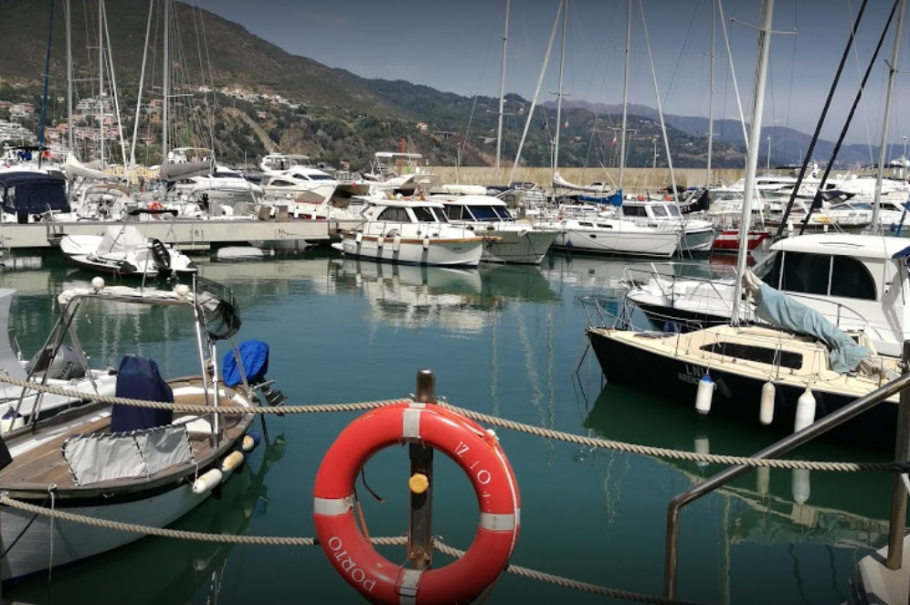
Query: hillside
{"x": 331, "y": 114}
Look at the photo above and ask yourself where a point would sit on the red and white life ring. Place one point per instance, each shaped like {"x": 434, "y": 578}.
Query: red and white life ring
{"x": 475, "y": 450}
{"x": 156, "y": 206}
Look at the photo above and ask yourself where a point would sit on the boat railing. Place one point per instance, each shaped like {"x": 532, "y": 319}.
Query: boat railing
{"x": 897, "y": 524}
{"x": 840, "y": 314}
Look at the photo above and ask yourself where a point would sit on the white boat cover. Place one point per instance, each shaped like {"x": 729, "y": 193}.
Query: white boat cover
{"x": 121, "y": 239}
{"x": 95, "y": 457}
{"x": 76, "y": 168}
{"x": 558, "y": 181}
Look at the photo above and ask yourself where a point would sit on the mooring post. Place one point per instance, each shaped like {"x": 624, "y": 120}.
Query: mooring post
{"x": 897, "y": 526}
{"x": 420, "y": 536}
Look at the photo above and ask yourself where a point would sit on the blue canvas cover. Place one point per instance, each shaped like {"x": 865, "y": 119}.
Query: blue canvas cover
{"x": 614, "y": 199}
{"x": 139, "y": 378}
{"x": 782, "y": 311}
{"x": 254, "y": 355}
{"x": 33, "y": 192}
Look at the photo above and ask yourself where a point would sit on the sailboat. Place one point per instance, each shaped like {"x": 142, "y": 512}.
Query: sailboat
{"x": 786, "y": 374}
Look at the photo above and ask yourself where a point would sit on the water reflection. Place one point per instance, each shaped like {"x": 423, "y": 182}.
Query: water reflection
{"x": 162, "y": 570}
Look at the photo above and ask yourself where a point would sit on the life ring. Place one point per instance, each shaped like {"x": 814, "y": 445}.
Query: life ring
{"x": 156, "y": 206}
{"x": 475, "y": 450}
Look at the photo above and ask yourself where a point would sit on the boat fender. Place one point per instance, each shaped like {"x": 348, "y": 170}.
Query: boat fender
{"x": 250, "y": 441}
{"x": 396, "y": 243}
{"x": 805, "y": 410}
{"x": 801, "y": 487}
{"x": 705, "y": 394}
{"x": 161, "y": 255}
{"x": 762, "y": 480}
{"x": 475, "y": 451}
{"x": 358, "y": 238}
{"x": 766, "y": 409}
{"x": 702, "y": 446}
{"x": 231, "y": 462}
{"x": 379, "y": 242}
{"x": 207, "y": 481}
{"x": 426, "y": 243}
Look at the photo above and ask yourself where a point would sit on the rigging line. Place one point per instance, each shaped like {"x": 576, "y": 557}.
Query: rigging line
{"x": 205, "y": 95}
{"x": 792, "y": 62}
{"x": 859, "y": 71}
{"x": 732, "y": 75}
{"x": 464, "y": 144}
{"x": 681, "y": 54}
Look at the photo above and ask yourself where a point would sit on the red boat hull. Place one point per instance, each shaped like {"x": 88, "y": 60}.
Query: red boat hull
{"x": 728, "y": 240}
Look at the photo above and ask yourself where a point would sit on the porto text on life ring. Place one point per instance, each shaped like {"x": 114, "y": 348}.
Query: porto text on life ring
{"x": 475, "y": 450}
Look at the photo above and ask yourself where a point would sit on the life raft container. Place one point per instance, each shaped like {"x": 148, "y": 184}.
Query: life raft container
{"x": 474, "y": 449}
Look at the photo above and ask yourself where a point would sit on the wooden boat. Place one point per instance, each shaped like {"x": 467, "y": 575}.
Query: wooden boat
{"x": 125, "y": 463}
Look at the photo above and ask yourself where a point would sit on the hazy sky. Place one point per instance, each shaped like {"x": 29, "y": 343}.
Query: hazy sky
{"x": 457, "y": 46}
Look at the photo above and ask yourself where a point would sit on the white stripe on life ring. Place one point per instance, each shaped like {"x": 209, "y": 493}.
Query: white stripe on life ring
{"x": 333, "y": 507}
{"x": 494, "y": 522}
{"x": 410, "y": 581}
{"x": 410, "y": 428}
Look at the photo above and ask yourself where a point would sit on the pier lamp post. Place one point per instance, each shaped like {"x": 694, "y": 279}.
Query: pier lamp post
{"x": 769, "y": 153}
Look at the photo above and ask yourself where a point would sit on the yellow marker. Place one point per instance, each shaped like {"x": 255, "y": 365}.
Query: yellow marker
{"x": 418, "y": 483}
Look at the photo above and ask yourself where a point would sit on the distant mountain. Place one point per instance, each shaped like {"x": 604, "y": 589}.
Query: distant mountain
{"x": 328, "y": 114}
{"x": 788, "y": 146}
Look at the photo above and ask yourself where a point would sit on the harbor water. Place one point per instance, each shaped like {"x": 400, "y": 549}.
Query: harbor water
{"x": 502, "y": 340}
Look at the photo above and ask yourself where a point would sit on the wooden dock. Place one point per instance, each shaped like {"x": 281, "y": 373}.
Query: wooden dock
{"x": 184, "y": 234}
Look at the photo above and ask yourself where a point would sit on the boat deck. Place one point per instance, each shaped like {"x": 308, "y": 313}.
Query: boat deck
{"x": 44, "y": 465}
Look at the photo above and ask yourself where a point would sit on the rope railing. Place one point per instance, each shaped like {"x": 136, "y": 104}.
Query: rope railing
{"x": 438, "y": 544}
{"x": 596, "y": 442}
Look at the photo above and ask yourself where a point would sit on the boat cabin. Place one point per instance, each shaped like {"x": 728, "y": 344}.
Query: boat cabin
{"x": 405, "y": 211}
{"x": 476, "y": 208}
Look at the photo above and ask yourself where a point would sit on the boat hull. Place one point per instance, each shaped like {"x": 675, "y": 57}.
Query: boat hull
{"x": 518, "y": 247}
{"x": 728, "y": 240}
{"x": 736, "y": 396}
{"x": 657, "y": 244}
{"x": 698, "y": 240}
{"x": 455, "y": 252}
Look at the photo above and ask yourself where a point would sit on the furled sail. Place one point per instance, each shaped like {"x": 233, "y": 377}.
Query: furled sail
{"x": 559, "y": 182}
{"x": 184, "y": 170}
{"x": 76, "y": 168}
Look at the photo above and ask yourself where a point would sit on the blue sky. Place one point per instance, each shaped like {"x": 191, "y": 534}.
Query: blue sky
{"x": 457, "y": 46}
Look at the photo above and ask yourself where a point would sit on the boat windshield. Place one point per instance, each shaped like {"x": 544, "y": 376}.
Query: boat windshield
{"x": 424, "y": 214}
{"x": 489, "y": 214}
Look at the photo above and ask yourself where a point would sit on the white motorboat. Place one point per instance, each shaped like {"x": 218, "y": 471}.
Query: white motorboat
{"x": 695, "y": 235}
{"x": 124, "y": 250}
{"x": 124, "y": 463}
{"x": 516, "y": 243}
{"x": 586, "y": 228}
{"x": 412, "y": 231}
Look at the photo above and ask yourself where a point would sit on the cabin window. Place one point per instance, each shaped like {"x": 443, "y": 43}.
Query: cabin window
{"x": 604, "y": 226}
{"x": 673, "y": 210}
{"x": 821, "y": 274}
{"x": 634, "y": 211}
{"x": 455, "y": 213}
{"x": 394, "y": 215}
{"x": 280, "y": 183}
{"x": 771, "y": 357}
{"x": 424, "y": 214}
{"x": 484, "y": 213}
{"x": 440, "y": 214}
{"x": 659, "y": 210}
{"x": 503, "y": 213}
{"x": 585, "y": 224}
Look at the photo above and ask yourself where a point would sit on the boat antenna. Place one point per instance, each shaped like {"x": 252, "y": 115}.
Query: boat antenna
{"x": 843, "y": 133}
{"x": 821, "y": 121}
{"x": 758, "y": 107}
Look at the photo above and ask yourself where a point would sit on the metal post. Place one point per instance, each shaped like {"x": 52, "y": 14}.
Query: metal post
{"x": 420, "y": 536}
{"x": 898, "y": 523}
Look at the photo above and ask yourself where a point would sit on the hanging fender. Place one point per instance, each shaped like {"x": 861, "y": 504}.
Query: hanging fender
{"x": 479, "y": 455}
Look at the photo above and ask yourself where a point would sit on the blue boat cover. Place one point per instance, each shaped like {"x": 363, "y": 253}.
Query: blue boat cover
{"x": 614, "y": 199}
{"x": 138, "y": 378}
{"x": 33, "y": 193}
{"x": 254, "y": 355}
{"x": 782, "y": 311}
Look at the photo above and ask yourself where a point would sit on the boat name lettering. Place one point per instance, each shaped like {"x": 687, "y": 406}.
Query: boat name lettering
{"x": 692, "y": 374}
{"x": 348, "y": 564}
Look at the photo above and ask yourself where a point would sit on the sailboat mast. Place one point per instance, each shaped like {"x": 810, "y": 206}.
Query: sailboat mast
{"x": 562, "y": 64}
{"x": 145, "y": 52}
{"x": 101, "y": 81}
{"x": 892, "y": 71}
{"x": 47, "y": 67}
{"x": 708, "y": 179}
{"x": 167, "y": 82}
{"x": 625, "y": 98}
{"x": 758, "y": 107}
{"x": 502, "y": 91}
{"x": 70, "y": 136}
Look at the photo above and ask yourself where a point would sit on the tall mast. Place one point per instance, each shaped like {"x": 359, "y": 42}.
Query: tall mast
{"x": 47, "y": 67}
{"x": 708, "y": 179}
{"x": 70, "y": 136}
{"x": 502, "y": 91}
{"x": 114, "y": 95}
{"x": 892, "y": 70}
{"x": 167, "y": 83}
{"x": 758, "y": 107}
{"x": 145, "y": 52}
{"x": 101, "y": 81}
{"x": 562, "y": 63}
{"x": 625, "y": 98}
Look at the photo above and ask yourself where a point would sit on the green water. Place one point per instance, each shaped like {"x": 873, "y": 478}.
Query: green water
{"x": 502, "y": 340}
